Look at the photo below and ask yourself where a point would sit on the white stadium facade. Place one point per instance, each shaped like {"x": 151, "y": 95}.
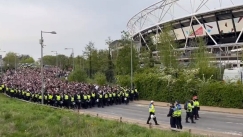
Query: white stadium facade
{"x": 218, "y": 22}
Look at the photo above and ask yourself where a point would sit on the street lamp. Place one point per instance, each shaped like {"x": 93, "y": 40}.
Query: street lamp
{"x": 72, "y": 54}
{"x": 42, "y": 77}
{"x": 56, "y": 59}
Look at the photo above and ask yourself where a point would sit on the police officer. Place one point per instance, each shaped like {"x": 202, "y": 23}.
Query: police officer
{"x": 196, "y": 107}
{"x": 152, "y": 113}
{"x": 178, "y": 115}
{"x": 189, "y": 112}
{"x": 172, "y": 116}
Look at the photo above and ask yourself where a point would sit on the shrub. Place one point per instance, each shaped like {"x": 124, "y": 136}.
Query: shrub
{"x": 100, "y": 78}
{"x": 153, "y": 86}
{"x": 78, "y": 75}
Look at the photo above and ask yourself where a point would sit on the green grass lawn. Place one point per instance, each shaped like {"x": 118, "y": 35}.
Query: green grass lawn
{"x": 20, "y": 119}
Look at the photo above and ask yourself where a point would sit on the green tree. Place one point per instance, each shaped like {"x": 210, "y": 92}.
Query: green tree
{"x": 147, "y": 55}
{"x": 110, "y": 69}
{"x": 201, "y": 59}
{"x": 10, "y": 59}
{"x": 100, "y": 78}
{"x": 28, "y": 60}
{"x": 123, "y": 61}
{"x": 165, "y": 47}
{"x": 78, "y": 75}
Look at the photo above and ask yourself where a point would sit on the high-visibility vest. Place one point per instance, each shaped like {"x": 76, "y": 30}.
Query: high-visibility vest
{"x": 196, "y": 103}
{"x": 88, "y": 96}
{"x": 78, "y": 97}
{"x": 93, "y": 95}
{"x": 106, "y": 96}
{"x": 85, "y": 97}
{"x": 114, "y": 94}
{"x": 66, "y": 97}
{"x": 58, "y": 97}
{"x": 151, "y": 108}
{"x": 110, "y": 95}
{"x": 27, "y": 94}
{"x": 126, "y": 94}
{"x": 174, "y": 114}
{"x": 50, "y": 97}
{"x": 189, "y": 107}
{"x": 72, "y": 99}
{"x": 100, "y": 96}
{"x": 40, "y": 96}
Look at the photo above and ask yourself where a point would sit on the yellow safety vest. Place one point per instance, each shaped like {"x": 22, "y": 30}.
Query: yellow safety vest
{"x": 151, "y": 108}
{"x": 72, "y": 99}
{"x": 93, "y": 95}
{"x": 189, "y": 107}
{"x": 100, "y": 96}
{"x": 50, "y": 97}
{"x": 126, "y": 94}
{"x": 196, "y": 103}
{"x": 27, "y": 94}
{"x": 88, "y": 96}
{"x": 58, "y": 98}
{"x": 40, "y": 97}
{"x": 66, "y": 97}
{"x": 78, "y": 97}
{"x": 106, "y": 96}
{"x": 85, "y": 97}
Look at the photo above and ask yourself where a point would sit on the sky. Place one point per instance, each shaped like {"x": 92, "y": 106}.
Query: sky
{"x": 76, "y": 22}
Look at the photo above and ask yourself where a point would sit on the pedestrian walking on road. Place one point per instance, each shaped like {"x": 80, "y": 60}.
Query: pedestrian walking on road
{"x": 152, "y": 113}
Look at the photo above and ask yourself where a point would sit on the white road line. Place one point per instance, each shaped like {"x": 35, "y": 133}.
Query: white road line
{"x": 234, "y": 123}
{"x": 234, "y": 133}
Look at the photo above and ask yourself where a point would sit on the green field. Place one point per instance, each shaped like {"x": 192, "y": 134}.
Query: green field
{"x": 20, "y": 119}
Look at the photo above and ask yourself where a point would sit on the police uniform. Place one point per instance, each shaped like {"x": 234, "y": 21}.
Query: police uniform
{"x": 152, "y": 113}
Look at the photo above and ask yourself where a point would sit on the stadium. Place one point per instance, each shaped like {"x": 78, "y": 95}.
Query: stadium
{"x": 218, "y": 22}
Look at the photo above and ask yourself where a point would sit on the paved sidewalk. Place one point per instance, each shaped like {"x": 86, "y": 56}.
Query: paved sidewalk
{"x": 203, "y": 108}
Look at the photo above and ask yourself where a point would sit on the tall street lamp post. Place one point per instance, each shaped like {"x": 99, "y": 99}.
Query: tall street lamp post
{"x": 42, "y": 75}
{"x": 72, "y": 54}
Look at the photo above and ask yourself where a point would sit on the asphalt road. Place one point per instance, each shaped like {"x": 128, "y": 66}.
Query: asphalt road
{"x": 209, "y": 121}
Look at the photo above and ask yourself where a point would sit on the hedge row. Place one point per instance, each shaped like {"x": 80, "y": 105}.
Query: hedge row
{"x": 152, "y": 87}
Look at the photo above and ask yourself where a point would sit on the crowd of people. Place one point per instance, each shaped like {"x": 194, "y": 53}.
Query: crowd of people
{"x": 26, "y": 84}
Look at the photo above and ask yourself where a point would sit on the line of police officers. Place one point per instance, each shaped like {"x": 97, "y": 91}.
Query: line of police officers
{"x": 76, "y": 100}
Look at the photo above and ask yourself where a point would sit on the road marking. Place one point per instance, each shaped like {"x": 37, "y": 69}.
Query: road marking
{"x": 234, "y": 133}
{"x": 234, "y": 123}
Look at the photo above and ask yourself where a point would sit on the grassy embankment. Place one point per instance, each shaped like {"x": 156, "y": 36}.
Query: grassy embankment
{"x": 20, "y": 119}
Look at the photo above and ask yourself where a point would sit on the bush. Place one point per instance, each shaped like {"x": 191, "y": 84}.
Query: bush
{"x": 100, "y": 78}
{"x": 152, "y": 86}
{"x": 78, "y": 75}
{"x": 123, "y": 80}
